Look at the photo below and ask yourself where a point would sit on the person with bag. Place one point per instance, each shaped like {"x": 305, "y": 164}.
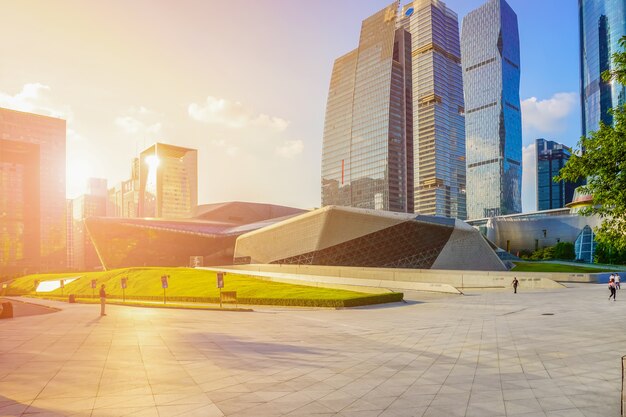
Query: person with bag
{"x": 612, "y": 288}
{"x": 103, "y": 300}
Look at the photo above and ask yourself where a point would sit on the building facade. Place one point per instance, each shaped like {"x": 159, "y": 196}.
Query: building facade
{"x": 438, "y": 109}
{"x": 32, "y": 193}
{"x": 123, "y": 198}
{"x": 168, "y": 182}
{"x": 92, "y": 203}
{"x": 367, "y": 155}
{"x": 601, "y": 25}
{"x": 551, "y": 158}
{"x": 493, "y": 129}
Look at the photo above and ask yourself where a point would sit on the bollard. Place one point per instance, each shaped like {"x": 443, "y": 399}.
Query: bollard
{"x": 7, "y": 311}
{"x": 72, "y": 298}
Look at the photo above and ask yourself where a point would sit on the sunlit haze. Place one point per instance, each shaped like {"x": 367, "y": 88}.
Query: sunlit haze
{"x": 244, "y": 83}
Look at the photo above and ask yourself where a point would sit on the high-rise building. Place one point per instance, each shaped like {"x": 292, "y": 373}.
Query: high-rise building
{"x": 601, "y": 25}
{"x": 367, "y": 157}
{"x": 32, "y": 193}
{"x": 91, "y": 204}
{"x": 123, "y": 198}
{"x": 551, "y": 157}
{"x": 493, "y": 127}
{"x": 438, "y": 109}
{"x": 168, "y": 182}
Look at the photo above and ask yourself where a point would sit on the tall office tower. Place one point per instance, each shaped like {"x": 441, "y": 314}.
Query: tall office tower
{"x": 493, "y": 126}
{"x": 367, "y": 155}
{"x": 438, "y": 110}
{"x": 32, "y": 193}
{"x": 123, "y": 198}
{"x": 91, "y": 204}
{"x": 551, "y": 157}
{"x": 601, "y": 25}
{"x": 168, "y": 181}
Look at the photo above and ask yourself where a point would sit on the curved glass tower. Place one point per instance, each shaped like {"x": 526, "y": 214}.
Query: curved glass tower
{"x": 602, "y": 24}
{"x": 493, "y": 125}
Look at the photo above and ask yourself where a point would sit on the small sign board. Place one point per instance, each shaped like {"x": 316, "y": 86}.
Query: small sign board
{"x": 220, "y": 280}
{"x": 93, "y": 284}
{"x": 196, "y": 261}
{"x": 124, "y": 282}
{"x": 62, "y": 283}
{"x": 164, "y": 281}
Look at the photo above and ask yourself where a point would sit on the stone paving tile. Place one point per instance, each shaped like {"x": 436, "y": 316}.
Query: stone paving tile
{"x": 485, "y": 354}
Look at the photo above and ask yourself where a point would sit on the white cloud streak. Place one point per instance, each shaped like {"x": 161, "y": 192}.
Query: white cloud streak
{"x": 233, "y": 114}
{"x": 548, "y": 116}
{"x": 289, "y": 148}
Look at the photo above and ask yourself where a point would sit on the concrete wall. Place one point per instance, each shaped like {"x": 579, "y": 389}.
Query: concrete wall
{"x": 458, "y": 279}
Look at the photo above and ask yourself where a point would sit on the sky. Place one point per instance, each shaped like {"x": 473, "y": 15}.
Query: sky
{"x": 243, "y": 82}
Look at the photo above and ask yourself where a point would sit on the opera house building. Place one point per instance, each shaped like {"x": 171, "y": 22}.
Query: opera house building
{"x": 236, "y": 233}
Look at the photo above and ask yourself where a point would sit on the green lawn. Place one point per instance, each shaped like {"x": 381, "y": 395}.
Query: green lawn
{"x": 553, "y": 267}
{"x": 193, "y": 285}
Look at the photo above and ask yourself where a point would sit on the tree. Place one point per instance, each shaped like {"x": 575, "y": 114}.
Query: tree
{"x": 603, "y": 163}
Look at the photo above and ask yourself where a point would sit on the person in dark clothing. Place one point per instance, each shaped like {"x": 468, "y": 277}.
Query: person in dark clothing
{"x": 612, "y": 289}
{"x": 103, "y": 300}
{"x": 515, "y": 283}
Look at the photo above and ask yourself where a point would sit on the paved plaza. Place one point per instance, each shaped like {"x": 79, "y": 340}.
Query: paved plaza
{"x": 491, "y": 353}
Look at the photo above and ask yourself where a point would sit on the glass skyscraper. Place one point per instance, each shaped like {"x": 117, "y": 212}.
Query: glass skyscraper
{"x": 367, "y": 155}
{"x": 602, "y": 24}
{"x": 168, "y": 182}
{"x": 32, "y": 193}
{"x": 493, "y": 128}
{"x": 551, "y": 157}
{"x": 438, "y": 109}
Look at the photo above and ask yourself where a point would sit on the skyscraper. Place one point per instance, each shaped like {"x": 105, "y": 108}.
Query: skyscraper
{"x": 601, "y": 25}
{"x": 438, "y": 109}
{"x": 551, "y": 157}
{"x": 168, "y": 181}
{"x": 493, "y": 129}
{"x": 91, "y": 204}
{"x": 367, "y": 155}
{"x": 32, "y": 193}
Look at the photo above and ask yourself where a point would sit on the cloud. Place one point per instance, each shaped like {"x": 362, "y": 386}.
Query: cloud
{"x": 529, "y": 178}
{"x": 230, "y": 149}
{"x": 289, "y": 148}
{"x": 548, "y": 116}
{"x": 35, "y": 98}
{"x": 233, "y": 114}
{"x": 132, "y": 125}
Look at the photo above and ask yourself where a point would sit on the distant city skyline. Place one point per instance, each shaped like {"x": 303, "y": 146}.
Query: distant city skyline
{"x": 252, "y": 105}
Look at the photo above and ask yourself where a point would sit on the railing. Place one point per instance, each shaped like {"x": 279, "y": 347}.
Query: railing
{"x": 623, "y": 400}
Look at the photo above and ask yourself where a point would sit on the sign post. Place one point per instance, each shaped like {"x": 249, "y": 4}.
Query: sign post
{"x": 124, "y": 281}
{"x": 220, "y": 284}
{"x": 164, "y": 285}
{"x": 62, "y": 286}
{"x": 93, "y": 288}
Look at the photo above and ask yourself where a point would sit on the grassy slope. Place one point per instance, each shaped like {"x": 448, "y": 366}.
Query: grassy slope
{"x": 552, "y": 267}
{"x": 188, "y": 284}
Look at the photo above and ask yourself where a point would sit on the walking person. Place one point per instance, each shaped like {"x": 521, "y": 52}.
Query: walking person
{"x": 515, "y": 283}
{"x": 617, "y": 278}
{"x": 612, "y": 289}
{"x": 103, "y": 300}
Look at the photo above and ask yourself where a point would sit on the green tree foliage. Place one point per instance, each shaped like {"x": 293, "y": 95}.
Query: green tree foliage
{"x": 564, "y": 251}
{"x": 606, "y": 254}
{"x": 603, "y": 163}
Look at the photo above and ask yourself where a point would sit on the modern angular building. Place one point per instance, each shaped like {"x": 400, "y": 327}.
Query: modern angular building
{"x": 210, "y": 235}
{"x": 346, "y": 236}
{"x": 32, "y": 193}
{"x": 551, "y": 158}
{"x": 123, "y": 198}
{"x": 168, "y": 182}
{"x": 367, "y": 155}
{"x": 493, "y": 128}
{"x": 438, "y": 109}
{"x": 601, "y": 24}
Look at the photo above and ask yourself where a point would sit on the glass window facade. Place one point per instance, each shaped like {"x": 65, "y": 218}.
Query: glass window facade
{"x": 493, "y": 129}
{"x": 32, "y": 193}
{"x": 438, "y": 109}
{"x": 367, "y": 148}
{"x": 168, "y": 182}
{"x": 602, "y": 24}
{"x": 551, "y": 157}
